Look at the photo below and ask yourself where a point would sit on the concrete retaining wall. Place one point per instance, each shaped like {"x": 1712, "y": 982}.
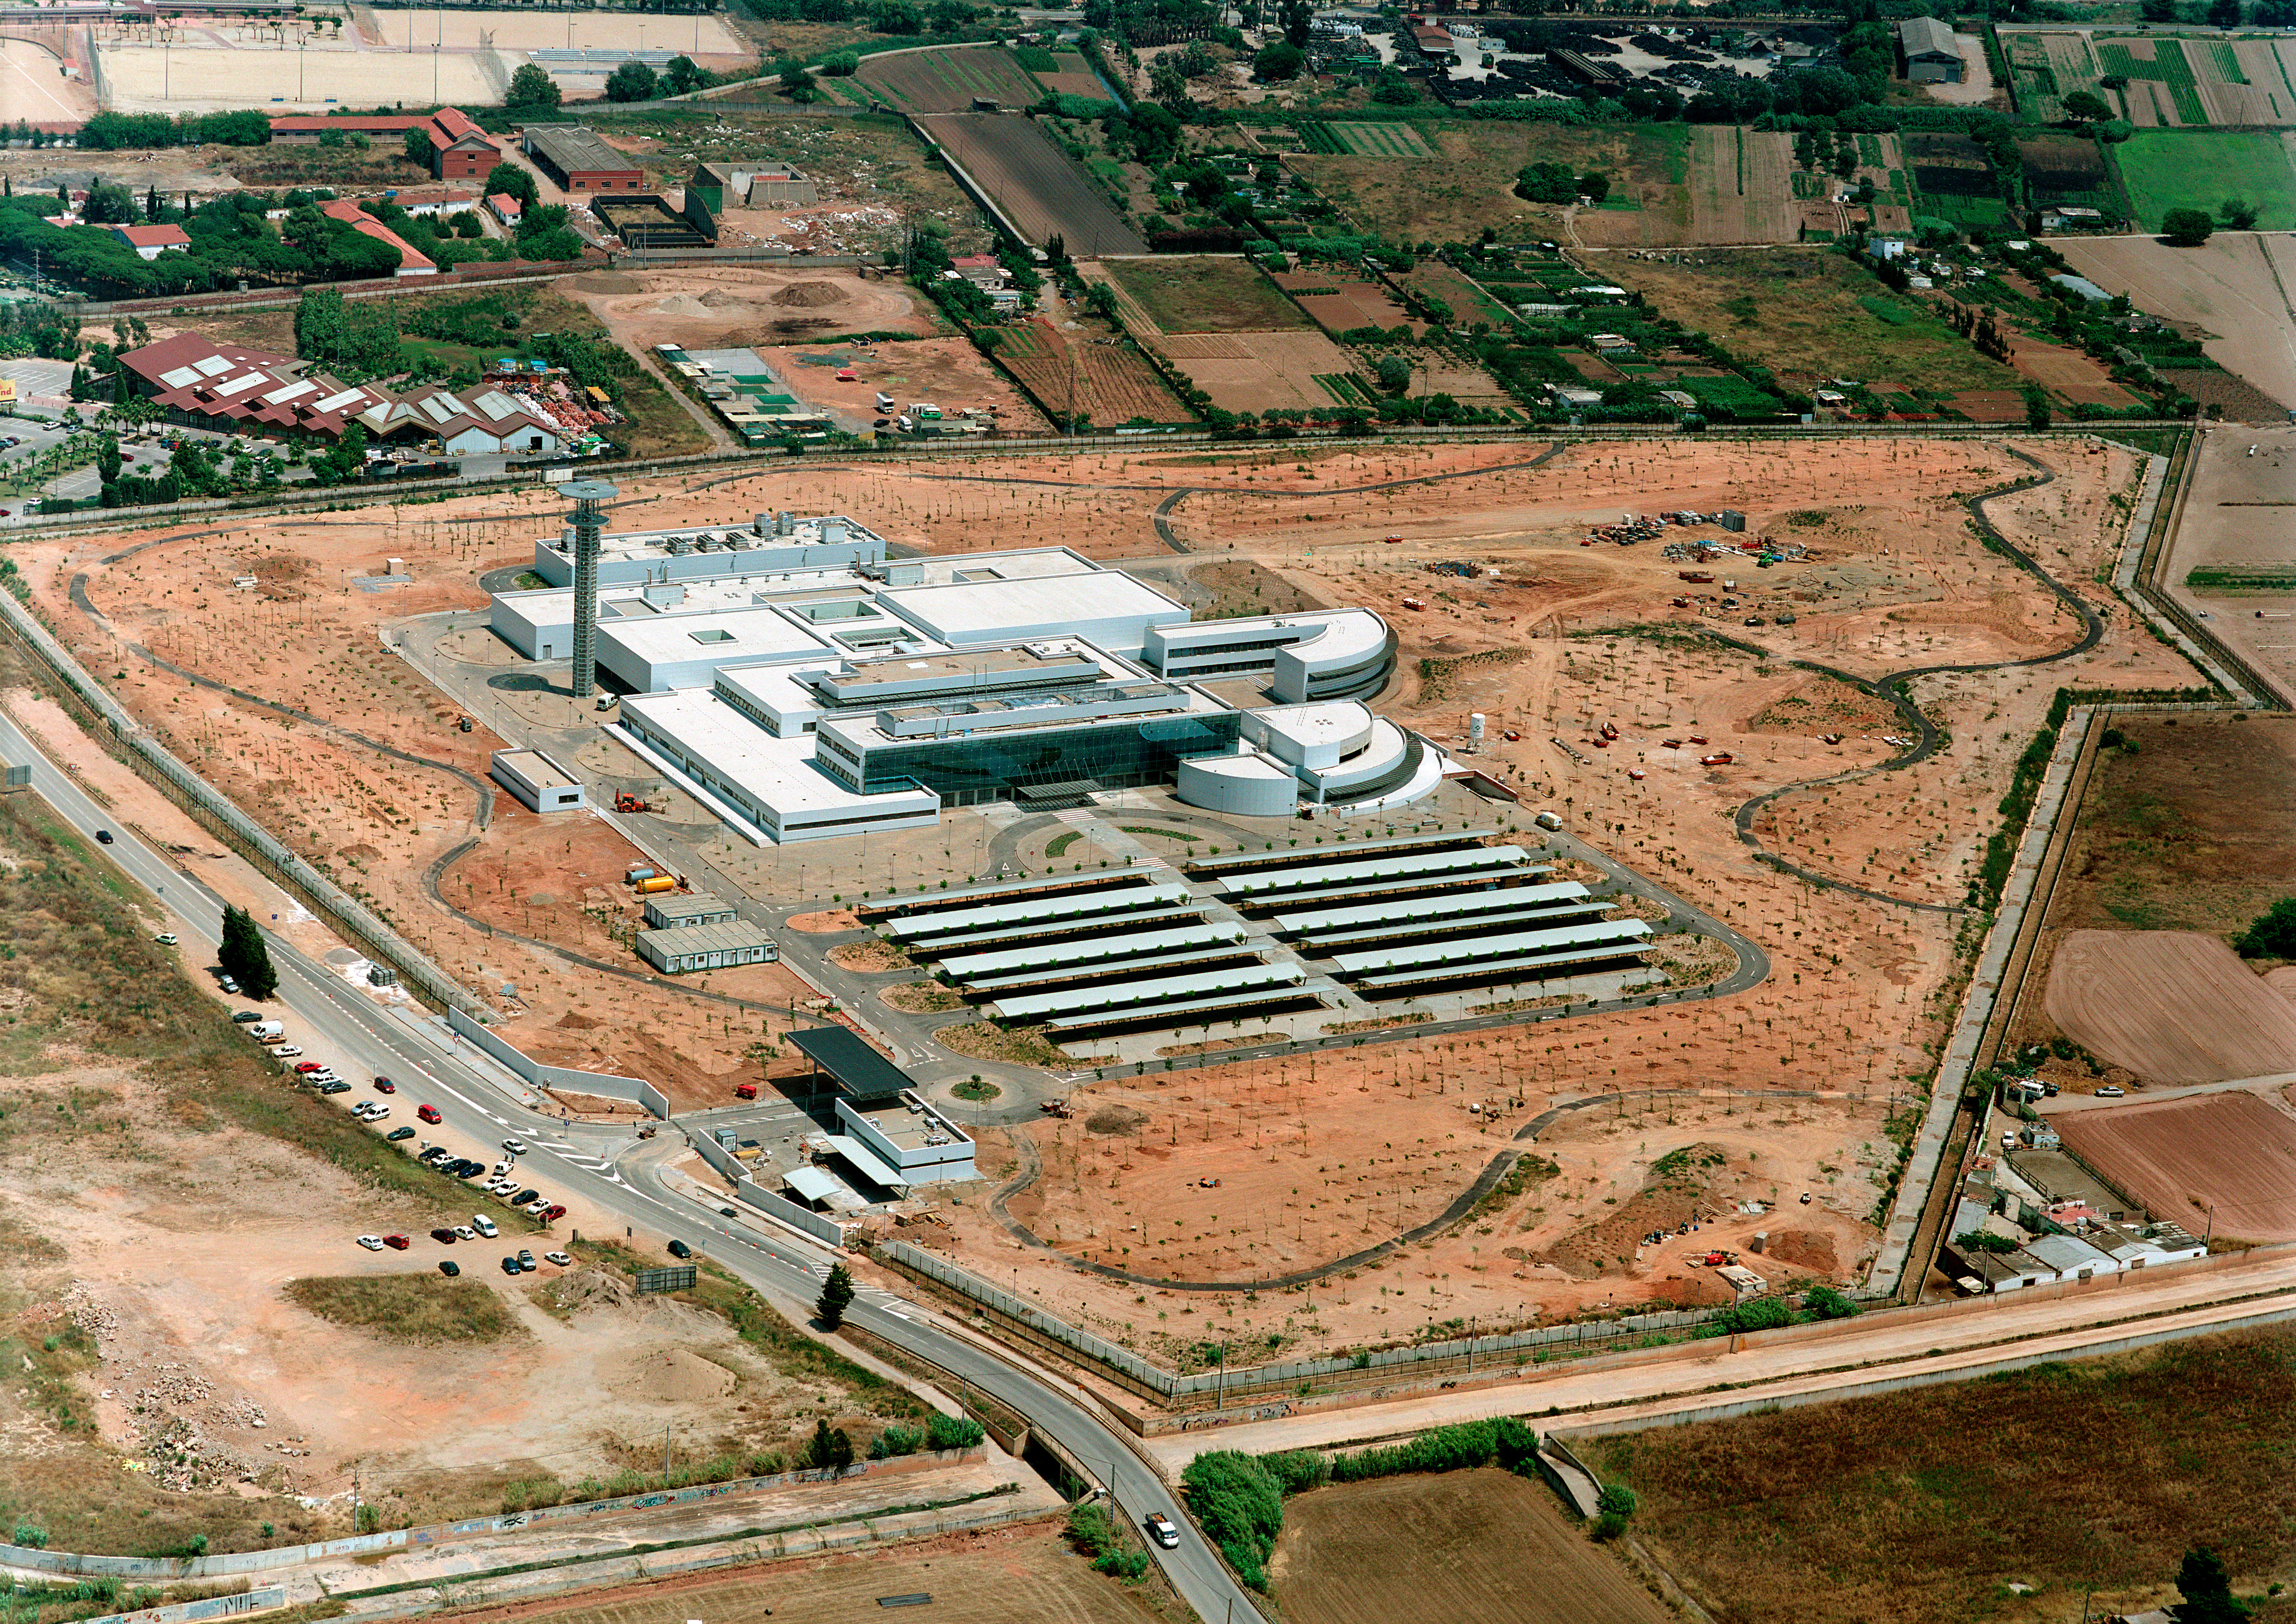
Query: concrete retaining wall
{"x": 605, "y": 1084}
{"x": 260, "y": 1600}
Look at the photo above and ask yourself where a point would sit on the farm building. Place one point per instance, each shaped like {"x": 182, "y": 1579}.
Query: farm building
{"x": 151, "y": 242}
{"x": 505, "y": 209}
{"x": 760, "y": 184}
{"x": 304, "y": 129}
{"x": 439, "y": 201}
{"x": 541, "y": 783}
{"x": 579, "y": 161}
{"x": 1585, "y": 69}
{"x": 1932, "y": 56}
{"x": 412, "y": 261}
{"x": 459, "y": 149}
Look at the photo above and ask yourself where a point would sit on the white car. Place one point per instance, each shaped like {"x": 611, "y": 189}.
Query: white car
{"x": 559, "y": 1257}
{"x": 463, "y": 1232}
{"x": 484, "y": 1225}
{"x": 535, "y": 1208}
{"x": 373, "y": 1243}
{"x": 502, "y": 1169}
{"x": 287, "y": 1051}
{"x": 166, "y": 938}
{"x": 1161, "y": 1530}
{"x": 375, "y": 1113}
{"x": 516, "y": 1147}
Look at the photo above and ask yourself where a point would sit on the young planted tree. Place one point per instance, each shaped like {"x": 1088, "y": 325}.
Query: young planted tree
{"x": 245, "y": 957}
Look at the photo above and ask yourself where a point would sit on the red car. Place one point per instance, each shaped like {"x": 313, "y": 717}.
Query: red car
{"x": 396, "y": 1242}
{"x": 429, "y": 1113}
{"x": 309, "y": 1066}
{"x": 553, "y": 1213}
{"x": 383, "y": 1085}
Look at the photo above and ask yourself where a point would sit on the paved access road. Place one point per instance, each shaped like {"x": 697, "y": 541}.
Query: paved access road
{"x": 573, "y": 1156}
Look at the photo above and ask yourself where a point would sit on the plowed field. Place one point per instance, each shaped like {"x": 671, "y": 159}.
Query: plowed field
{"x": 1486, "y": 1545}
{"x": 2231, "y": 1152}
{"x": 1113, "y": 383}
{"x": 2173, "y": 1006}
{"x": 1041, "y": 189}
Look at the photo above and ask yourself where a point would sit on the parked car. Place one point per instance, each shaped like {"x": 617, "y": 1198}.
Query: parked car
{"x": 375, "y": 1113}
{"x": 287, "y": 1051}
{"x": 526, "y": 1263}
{"x": 525, "y": 1197}
{"x": 246, "y": 1017}
{"x": 535, "y": 1208}
{"x": 1161, "y": 1530}
{"x": 398, "y": 1134}
{"x": 553, "y": 1213}
{"x": 449, "y": 1268}
{"x": 396, "y": 1242}
{"x": 334, "y": 1085}
{"x": 228, "y": 985}
{"x": 679, "y": 1249}
{"x": 383, "y": 1085}
{"x": 463, "y": 1232}
{"x": 309, "y": 1066}
{"x": 373, "y": 1243}
{"x": 484, "y": 1225}
{"x": 429, "y": 1113}
{"x": 559, "y": 1257}
{"x": 445, "y": 1237}
{"x": 509, "y": 1266}
{"x": 2110, "y": 1091}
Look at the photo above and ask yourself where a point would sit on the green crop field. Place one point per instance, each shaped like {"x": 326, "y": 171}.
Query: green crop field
{"x": 2165, "y": 169}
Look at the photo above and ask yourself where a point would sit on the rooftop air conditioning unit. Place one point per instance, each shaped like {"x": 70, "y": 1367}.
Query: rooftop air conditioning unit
{"x": 677, "y": 543}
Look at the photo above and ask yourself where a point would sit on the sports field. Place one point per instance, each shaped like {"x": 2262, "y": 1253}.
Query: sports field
{"x": 525, "y": 30}
{"x": 2164, "y": 170}
{"x": 216, "y": 78}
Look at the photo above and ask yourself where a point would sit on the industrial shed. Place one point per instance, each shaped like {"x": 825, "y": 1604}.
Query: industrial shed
{"x": 686, "y": 948}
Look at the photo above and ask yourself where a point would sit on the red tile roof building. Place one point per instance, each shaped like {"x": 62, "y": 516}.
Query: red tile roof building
{"x": 229, "y": 387}
{"x": 410, "y": 262}
{"x": 459, "y": 149}
{"x": 151, "y": 242}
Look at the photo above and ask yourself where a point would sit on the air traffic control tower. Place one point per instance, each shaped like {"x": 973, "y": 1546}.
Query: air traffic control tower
{"x": 590, "y": 497}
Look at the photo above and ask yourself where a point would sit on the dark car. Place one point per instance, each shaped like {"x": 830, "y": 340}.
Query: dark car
{"x": 449, "y": 1268}
{"x": 509, "y": 1267}
{"x": 468, "y": 1169}
{"x": 429, "y": 1113}
{"x": 445, "y": 1237}
{"x": 727, "y": 1212}
{"x": 383, "y": 1085}
{"x": 103, "y": 837}
{"x": 336, "y": 1086}
{"x": 524, "y": 1197}
{"x": 245, "y": 1016}
{"x": 679, "y": 1249}
{"x": 399, "y": 1133}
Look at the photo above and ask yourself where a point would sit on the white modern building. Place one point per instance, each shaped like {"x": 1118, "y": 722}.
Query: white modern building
{"x": 805, "y": 685}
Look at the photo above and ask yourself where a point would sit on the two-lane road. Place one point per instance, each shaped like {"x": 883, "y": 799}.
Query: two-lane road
{"x": 581, "y": 1158}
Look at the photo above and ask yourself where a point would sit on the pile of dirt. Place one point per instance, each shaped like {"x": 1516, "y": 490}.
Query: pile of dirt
{"x": 1114, "y": 1120}
{"x": 590, "y": 1290}
{"x": 681, "y": 304}
{"x": 1804, "y": 1249}
{"x": 573, "y": 1021}
{"x": 809, "y": 295}
{"x": 1674, "y": 1192}
{"x": 718, "y": 299}
{"x": 672, "y": 1375}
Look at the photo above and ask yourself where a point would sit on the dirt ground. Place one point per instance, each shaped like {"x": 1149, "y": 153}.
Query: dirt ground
{"x": 2225, "y": 1161}
{"x": 1452, "y": 1545}
{"x": 2229, "y": 290}
{"x": 2172, "y": 1006}
{"x": 1022, "y": 1574}
{"x": 950, "y": 372}
{"x": 1564, "y": 638}
{"x": 726, "y": 307}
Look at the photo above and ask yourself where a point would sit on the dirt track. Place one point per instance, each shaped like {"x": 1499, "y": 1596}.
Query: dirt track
{"x": 2173, "y": 1006}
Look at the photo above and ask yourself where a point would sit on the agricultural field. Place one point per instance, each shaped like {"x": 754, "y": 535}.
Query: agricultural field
{"x": 1113, "y": 383}
{"x": 1366, "y": 140}
{"x": 2173, "y": 82}
{"x": 2232, "y": 292}
{"x": 1810, "y": 312}
{"x": 2224, "y": 1163}
{"x": 1469, "y": 302}
{"x": 1469, "y": 183}
{"x": 2069, "y": 172}
{"x": 1205, "y": 293}
{"x": 2165, "y": 169}
{"x": 1041, "y": 189}
{"x": 948, "y": 81}
{"x": 1745, "y": 186}
{"x": 1447, "y": 1546}
{"x": 2085, "y": 1480}
{"x": 1024, "y": 1574}
{"x": 1262, "y": 371}
{"x": 2170, "y": 1007}
{"x": 1954, "y": 180}
{"x": 1339, "y": 302}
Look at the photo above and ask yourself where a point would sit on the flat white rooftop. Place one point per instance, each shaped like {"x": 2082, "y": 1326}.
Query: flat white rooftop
{"x": 778, "y": 773}
{"x": 734, "y": 634}
{"x": 1319, "y": 726}
{"x": 986, "y": 611}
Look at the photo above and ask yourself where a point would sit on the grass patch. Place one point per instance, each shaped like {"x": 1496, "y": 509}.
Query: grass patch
{"x": 922, "y": 998}
{"x": 977, "y": 1089}
{"x": 425, "y": 1308}
{"x": 1204, "y": 293}
{"x": 2243, "y": 578}
{"x": 1025, "y": 1046}
{"x": 1877, "y": 1510}
{"x": 2164, "y": 170}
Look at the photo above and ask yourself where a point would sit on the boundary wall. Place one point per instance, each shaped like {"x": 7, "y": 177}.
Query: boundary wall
{"x": 260, "y": 1600}
{"x": 607, "y": 1084}
{"x": 414, "y": 1538}
{"x": 749, "y": 1192}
